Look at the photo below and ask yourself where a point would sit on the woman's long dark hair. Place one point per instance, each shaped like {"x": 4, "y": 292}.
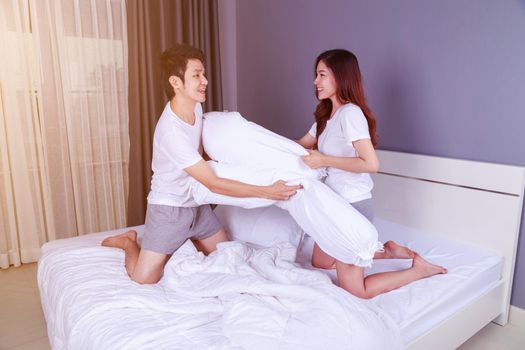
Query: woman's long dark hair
{"x": 345, "y": 68}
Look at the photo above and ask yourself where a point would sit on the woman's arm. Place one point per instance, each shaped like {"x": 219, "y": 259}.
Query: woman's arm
{"x": 307, "y": 141}
{"x": 206, "y": 176}
{"x": 366, "y": 162}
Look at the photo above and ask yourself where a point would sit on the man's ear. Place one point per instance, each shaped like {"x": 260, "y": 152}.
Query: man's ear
{"x": 175, "y": 82}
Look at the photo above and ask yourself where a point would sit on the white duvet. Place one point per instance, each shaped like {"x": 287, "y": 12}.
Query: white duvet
{"x": 236, "y": 298}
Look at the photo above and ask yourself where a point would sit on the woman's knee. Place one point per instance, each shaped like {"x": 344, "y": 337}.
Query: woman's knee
{"x": 322, "y": 260}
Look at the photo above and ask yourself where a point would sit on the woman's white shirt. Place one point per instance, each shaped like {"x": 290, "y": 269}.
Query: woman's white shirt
{"x": 348, "y": 124}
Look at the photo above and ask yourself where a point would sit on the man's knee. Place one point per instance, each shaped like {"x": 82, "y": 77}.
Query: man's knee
{"x": 146, "y": 279}
{"x": 149, "y": 277}
{"x": 149, "y": 267}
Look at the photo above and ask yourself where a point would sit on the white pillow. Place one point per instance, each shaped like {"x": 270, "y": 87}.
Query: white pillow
{"x": 228, "y": 138}
{"x": 247, "y": 152}
{"x": 264, "y": 227}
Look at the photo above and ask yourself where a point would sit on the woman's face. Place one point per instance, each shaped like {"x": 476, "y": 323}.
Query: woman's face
{"x": 325, "y": 85}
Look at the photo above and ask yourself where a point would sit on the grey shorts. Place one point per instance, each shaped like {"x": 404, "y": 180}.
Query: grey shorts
{"x": 167, "y": 227}
{"x": 365, "y": 207}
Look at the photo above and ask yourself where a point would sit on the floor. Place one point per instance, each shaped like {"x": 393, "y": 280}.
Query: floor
{"x": 22, "y": 324}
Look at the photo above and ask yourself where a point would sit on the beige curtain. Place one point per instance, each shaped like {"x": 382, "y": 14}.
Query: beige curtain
{"x": 63, "y": 122}
{"x": 153, "y": 26}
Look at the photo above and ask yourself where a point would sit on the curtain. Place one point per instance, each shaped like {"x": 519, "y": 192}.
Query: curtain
{"x": 64, "y": 143}
{"x": 153, "y": 26}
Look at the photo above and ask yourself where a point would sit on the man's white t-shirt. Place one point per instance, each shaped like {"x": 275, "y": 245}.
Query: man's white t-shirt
{"x": 176, "y": 145}
{"x": 347, "y": 125}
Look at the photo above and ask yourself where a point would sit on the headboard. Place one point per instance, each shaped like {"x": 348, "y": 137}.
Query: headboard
{"x": 473, "y": 202}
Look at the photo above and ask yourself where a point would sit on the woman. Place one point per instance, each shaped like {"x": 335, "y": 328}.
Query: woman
{"x": 343, "y": 139}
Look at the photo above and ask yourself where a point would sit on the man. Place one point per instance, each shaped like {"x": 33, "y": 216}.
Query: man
{"x": 172, "y": 214}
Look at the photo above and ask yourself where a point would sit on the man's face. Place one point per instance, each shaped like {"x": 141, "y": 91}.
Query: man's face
{"x": 195, "y": 83}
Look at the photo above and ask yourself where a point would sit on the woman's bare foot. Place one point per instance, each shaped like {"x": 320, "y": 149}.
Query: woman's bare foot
{"x": 425, "y": 268}
{"x": 396, "y": 251}
{"x": 120, "y": 241}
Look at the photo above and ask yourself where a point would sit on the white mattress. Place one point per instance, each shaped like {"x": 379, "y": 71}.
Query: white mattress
{"x": 423, "y": 304}
{"x": 416, "y": 308}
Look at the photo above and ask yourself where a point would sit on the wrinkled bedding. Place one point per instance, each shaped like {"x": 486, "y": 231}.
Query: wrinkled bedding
{"x": 239, "y": 297}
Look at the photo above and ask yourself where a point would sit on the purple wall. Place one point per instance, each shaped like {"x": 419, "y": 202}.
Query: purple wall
{"x": 445, "y": 78}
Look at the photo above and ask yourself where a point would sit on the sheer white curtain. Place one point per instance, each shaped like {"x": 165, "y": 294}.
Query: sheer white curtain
{"x": 64, "y": 143}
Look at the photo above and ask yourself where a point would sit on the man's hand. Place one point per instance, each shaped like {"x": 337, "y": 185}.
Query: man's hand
{"x": 314, "y": 160}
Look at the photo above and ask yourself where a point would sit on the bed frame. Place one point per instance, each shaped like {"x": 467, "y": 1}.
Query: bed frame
{"x": 473, "y": 202}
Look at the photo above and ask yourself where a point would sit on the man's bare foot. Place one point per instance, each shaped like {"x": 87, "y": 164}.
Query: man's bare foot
{"x": 425, "y": 268}
{"x": 120, "y": 241}
{"x": 396, "y": 251}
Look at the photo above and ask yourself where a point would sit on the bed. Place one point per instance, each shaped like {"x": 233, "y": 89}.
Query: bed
{"x": 475, "y": 203}
{"x": 462, "y": 214}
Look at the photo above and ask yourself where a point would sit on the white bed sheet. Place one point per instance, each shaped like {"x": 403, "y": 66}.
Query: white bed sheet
{"x": 423, "y": 304}
{"x": 237, "y": 298}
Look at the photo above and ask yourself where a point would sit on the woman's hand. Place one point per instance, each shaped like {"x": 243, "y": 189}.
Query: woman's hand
{"x": 280, "y": 191}
{"x": 314, "y": 160}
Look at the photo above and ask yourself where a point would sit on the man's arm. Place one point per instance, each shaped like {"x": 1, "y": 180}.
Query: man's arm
{"x": 206, "y": 176}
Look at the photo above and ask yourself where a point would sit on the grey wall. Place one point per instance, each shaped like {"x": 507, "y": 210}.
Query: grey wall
{"x": 228, "y": 49}
{"x": 444, "y": 78}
